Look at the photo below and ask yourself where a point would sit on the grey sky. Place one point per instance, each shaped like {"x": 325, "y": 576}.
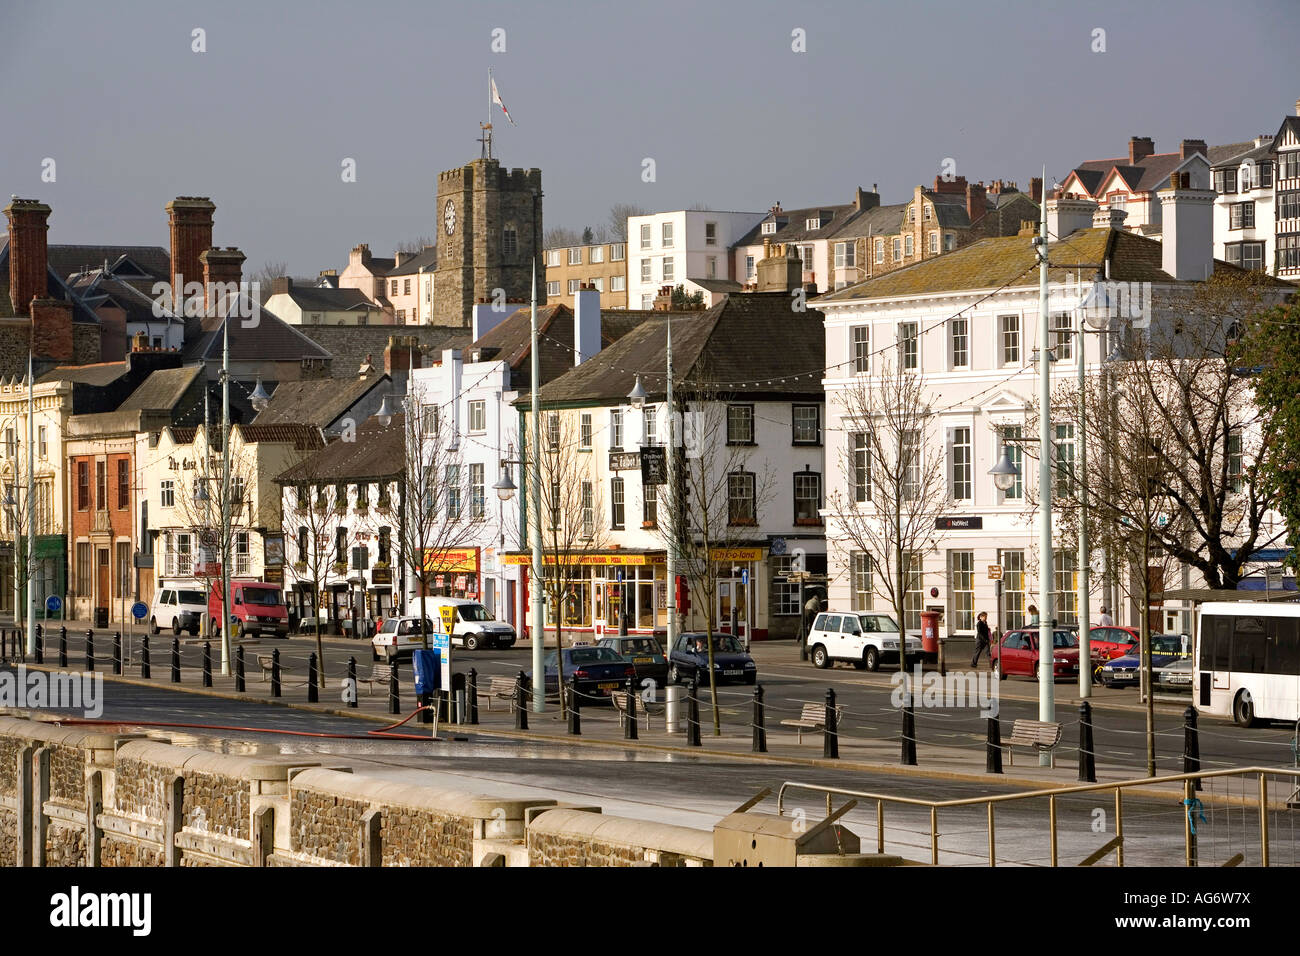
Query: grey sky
{"x": 712, "y": 91}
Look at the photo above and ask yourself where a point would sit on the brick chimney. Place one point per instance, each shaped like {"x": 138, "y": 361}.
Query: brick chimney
{"x": 976, "y": 204}
{"x": 1190, "y": 147}
{"x": 865, "y": 200}
{"x": 401, "y": 354}
{"x": 281, "y": 285}
{"x": 1036, "y": 188}
{"x": 223, "y": 269}
{"x": 1187, "y": 240}
{"x": 955, "y": 186}
{"x": 780, "y": 269}
{"x": 1139, "y": 148}
{"x": 52, "y": 329}
{"x": 190, "y": 221}
{"x": 28, "y": 259}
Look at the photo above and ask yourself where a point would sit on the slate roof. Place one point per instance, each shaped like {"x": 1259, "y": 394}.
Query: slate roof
{"x": 426, "y": 259}
{"x": 713, "y": 285}
{"x": 316, "y": 402}
{"x": 377, "y": 454}
{"x": 269, "y": 340}
{"x": 1010, "y": 260}
{"x": 877, "y": 221}
{"x": 350, "y": 344}
{"x": 329, "y": 300}
{"x": 101, "y": 373}
{"x": 162, "y": 389}
{"x": 303, "y": 437}
{"x": 1151, "y": 172}
{"x": 1251, "y": 152}
{"x": 154, "y": 261}
{"x": 795, "y": 227}
{"x": 752, "y": 338}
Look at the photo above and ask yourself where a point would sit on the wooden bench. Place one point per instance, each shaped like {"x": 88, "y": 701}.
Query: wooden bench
{"x": 498, "y": 688}
{"x": 1039, "y": 735}
{"x": 812, "y": 720}
{"x": 379, "y": 673}
{"x": 264, "y": 662}
{"x": 644, "y": 709}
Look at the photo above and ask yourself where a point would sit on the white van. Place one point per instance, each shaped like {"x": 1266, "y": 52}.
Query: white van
{"x": 864, "y": 638}
{"x": 178, "y": 607}
{"x": 471, "y": 624}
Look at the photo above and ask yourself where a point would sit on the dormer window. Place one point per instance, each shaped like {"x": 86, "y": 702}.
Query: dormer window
{"x": 769, "y": 228}
{"x": 814, "y": 223}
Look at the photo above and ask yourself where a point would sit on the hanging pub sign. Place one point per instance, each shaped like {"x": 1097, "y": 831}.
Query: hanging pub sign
{"x": 654, "y": 465}
{"x": 624, "y": 460}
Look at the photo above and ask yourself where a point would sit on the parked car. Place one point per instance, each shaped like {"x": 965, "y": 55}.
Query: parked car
{"x": 1017, "y": 653}
{"x": 180, "y": 608}
{"x": 1176, "y": 675}
{"x": 1108, "y": 642}
{"x": 595, "y": 672}
{"x": 689, "y": 660}
{"x": 645, "y": 654}
{"x": 469, "y": 622}
{"x": 863, "y": 638}
{"x": 256, "y": 606}
{"x": 399, "y": 636}
{"x": 1121, "y": 671}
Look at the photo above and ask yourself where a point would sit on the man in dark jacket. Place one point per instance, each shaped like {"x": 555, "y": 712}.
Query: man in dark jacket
{"x": 981, "y": 638}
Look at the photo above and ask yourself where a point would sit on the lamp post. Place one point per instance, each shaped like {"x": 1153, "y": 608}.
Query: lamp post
{"x": 1047, "y": 622}
{"x": 31, "y": 497}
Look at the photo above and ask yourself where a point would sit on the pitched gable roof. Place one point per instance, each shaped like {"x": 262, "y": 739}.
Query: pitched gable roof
{"x": 377, "y": 454}
{"x": 316, "y": 402}
{"x": 162, "y": 389}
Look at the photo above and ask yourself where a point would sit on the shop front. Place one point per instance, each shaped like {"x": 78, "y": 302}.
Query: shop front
{"x": 452, "y": 572}
{"x": 589, "y": 594}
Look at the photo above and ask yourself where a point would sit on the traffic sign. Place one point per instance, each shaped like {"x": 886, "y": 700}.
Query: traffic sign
{"x": 53, "y": 603}
{"x": 995, "y": 572}
{"x": 744, "y": 576}
{"x": 139, "y": 610}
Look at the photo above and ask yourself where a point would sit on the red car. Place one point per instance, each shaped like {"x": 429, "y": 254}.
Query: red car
{"x": 1017, "y": 653}
{"x": 1111, "y": 642}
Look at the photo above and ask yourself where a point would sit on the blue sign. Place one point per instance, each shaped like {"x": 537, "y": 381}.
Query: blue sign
{"x": 744, "y": 576}
{"x": 139, "y": 610}
{"x": 427, "y": 671}
{"x": 441, "y": 643}
{"x": 620, "y": 574}
{"x": 53, "y": 603}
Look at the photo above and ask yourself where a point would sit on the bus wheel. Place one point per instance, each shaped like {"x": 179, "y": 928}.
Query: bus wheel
{"x": 1243, "y": 710}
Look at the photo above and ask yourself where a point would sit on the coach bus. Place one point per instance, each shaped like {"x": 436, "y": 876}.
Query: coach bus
{"x": 1248, "y": 661}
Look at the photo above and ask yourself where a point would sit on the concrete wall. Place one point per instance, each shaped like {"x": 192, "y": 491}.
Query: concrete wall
{"x": 71, "y": 797}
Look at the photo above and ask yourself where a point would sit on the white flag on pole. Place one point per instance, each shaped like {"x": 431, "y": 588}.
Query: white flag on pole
{"x": 496, "y": 99}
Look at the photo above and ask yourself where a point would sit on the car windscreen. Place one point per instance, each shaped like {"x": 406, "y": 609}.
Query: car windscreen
{"x": 1166, "y": 644}
{"x": 190, "y": 597}
{"x": 474, "y": 612}
{"x": 874, "y": 623}
{"x": 579, "y": 656}
{"x": 646, "y": 645}
{"x": 265, "y": 597}
{"x": 727, "y": 645}
{"x": 1065, "y": 639}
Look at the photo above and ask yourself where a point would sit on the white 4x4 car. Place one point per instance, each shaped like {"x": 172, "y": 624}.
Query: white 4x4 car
{"x": 864, "y": 638}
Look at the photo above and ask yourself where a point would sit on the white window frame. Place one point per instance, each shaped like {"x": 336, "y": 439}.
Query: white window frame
{"x": 645, "y": 235}
{"x": 476, "y": 416}
{"x": 666, "y": 234}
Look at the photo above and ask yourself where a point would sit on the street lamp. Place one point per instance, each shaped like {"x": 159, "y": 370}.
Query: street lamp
{"x": 1005, "y": 471}
{"x": 385, "y": 413}
{"x": 260, "y": 398}
{"x": 505, "y": 488}
{"x": 638, "y": 395}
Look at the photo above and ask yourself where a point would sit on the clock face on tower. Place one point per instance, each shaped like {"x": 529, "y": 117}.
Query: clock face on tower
{"x": 449, "y": 217}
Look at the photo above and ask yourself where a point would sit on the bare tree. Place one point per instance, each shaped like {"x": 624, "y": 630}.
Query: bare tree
{"x": 416, "y": 245}
{"x": 619, "y": 213}
{"x": 572, "y": 513}
{"x": 722, "y": 490}
{"x": 311, "y": 508}
{"x": 266, "y": 275}
{"x": 893, "y": 468}
{"x": 558, "y": 236}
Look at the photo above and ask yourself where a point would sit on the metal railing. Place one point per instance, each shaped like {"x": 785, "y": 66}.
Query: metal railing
{"x": 1257, "y": 800}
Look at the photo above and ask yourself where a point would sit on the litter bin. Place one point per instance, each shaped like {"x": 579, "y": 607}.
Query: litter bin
{"x": 101, "y": 617}
{"x": 930, "y": 635}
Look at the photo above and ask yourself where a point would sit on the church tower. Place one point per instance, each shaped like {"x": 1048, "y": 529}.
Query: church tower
{"x": 489, "y": 237}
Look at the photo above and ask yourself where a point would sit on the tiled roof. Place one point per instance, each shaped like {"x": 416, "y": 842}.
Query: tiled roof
{"x": 270, "y": 339}
{"x": 100, "y": 373}
{"x": 426, "y": 259}
{"x": 316, "y": 402}
{"x": 796, "y": 222}
{"x": 752, "y": 338}
{"x": 162, "y": 389}
{"x": 155, "y": 261}
{"x": 184, "y": 434}
{"x": 350, "y": 344}
{"x": 1251, "y": 152}
{"x": 302, "y": 437}
{"x": 329, "y": 300}
{"x": 377, "y": 454}
{"x": 878, "y": 221}
{"x": 1220, "y": 154}
{"x": 717, "y": 285}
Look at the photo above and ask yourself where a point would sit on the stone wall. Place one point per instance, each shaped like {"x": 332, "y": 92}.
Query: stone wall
{"x": 86, "y": 344}
{"x": 569, "y": 837}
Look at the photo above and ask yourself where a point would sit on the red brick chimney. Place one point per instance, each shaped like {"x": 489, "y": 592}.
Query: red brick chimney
{"x": 1139, "y": 148}
{"x": 52, "y": 329}
{"x": 222, "y": 271}
{"x": 956, "y": 186}
{"x": 190, "y": 220}
{"x": 1190, "y": 147}
{"x": 28, "y": 260}
{"x": 1036, "y": 188}
{"x": 976, "y": 204}
{"x": 401, "y": 354}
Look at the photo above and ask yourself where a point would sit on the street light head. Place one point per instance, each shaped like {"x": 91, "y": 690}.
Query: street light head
{"x": 385, "y": 413}
{"x": 1096, "y": 305}
{"x": 505, "y": 488}
{"x": 1005, "y": 472}
{"x": 638, "y": 395}
{"x": 260, "y": 397}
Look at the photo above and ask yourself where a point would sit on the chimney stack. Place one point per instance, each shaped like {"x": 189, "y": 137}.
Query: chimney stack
{"x": 1065, "y": 216}
{"x": 1190, "y": 147}
{"x": 190, "y": 222}
{"x": 223, "y": 270}
{"x": 1036, "y": 188}
{"x": 52, "y": 329}
{"x": 586, "y": 323}
{"x": 976, "y": 204}
{"x": 401, "y": 354}
{"x": 28, "y": 256}
{"x": 863, "y": 200}
{"x": 1187, "y": 240}
{"x": 780, "y": 269}
{"x": 1139, "y": 148}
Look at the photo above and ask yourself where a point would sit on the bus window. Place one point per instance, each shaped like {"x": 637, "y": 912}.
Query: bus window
{"x": 1222, "y": 643}
{"x": 1248, "y": 643}
{"x": 1283, "y": 646}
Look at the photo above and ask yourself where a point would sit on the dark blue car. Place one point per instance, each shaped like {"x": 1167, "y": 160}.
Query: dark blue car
{"x": 689, "y": 660}
{"x": 1120, "y": 671}
{"x": 595, "y": 671}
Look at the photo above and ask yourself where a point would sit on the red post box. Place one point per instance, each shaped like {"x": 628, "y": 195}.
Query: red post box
{"x": 930, "y": 634}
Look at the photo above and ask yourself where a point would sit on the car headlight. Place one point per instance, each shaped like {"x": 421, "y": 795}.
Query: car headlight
{"x": 893, "y": 644}
{"x": 1060, "y": 660}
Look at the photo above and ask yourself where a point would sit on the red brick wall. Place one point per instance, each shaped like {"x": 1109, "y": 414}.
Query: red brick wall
{"x": 52, "y": 329}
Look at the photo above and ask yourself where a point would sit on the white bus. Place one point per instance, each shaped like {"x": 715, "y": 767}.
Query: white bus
{"x": 1248, "y": 661}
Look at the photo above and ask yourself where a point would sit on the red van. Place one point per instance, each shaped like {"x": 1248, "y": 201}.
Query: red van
{"x": 257, "y": 607}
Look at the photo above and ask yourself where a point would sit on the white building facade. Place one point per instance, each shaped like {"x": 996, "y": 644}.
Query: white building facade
{"x": 666, "y": 248}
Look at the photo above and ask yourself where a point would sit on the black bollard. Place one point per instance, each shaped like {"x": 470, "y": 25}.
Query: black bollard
{"x": 117, "y": 652}
{"x": 693, "y": 715}
{"x": 90, "y": 649}
{"x": 1191, "y": 745}
{"x": 144, "y": 658}
{"x": 352, "y": 682}
{"x": 63, "y": 647}
{"x": 629, "y": 728}
{"x": 993, "y": 748}
{"x": 471, "y": 691}
{"x": 831, "y": 736}
{"x": 424, "y": 702}
{"x": 275, "y": 672}
{"x": 1087, "y": 759}
{"x": 394, "y": 690}
{"x": 521, "y": 701}
{"x": 40, "y": 644}
{"x": 239, "y": 669}
{"x": 760, "y": 728}
{"x": 575, "y": 708}
{"x": 908, "y": 755}
{"x": 313, "y": 691}
{"x": 207, "y": 663}
{"x": 176, "y": 660}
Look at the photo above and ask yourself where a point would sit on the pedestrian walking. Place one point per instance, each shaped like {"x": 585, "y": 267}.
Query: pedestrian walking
{"x": 981, "y": 639}
{"x": 811, "y": 608}
{"x": 1033, "y": 614}
{"x": 1106, "y": 619}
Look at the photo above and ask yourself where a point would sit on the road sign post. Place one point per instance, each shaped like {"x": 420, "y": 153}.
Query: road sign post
{"x": 139, "y": 610}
